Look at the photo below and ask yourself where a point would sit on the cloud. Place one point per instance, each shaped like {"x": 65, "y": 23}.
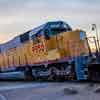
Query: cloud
{"x": 17, "y": 16}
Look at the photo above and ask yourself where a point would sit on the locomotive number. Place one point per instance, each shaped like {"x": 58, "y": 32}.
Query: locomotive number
{"x": 38, "y": 48}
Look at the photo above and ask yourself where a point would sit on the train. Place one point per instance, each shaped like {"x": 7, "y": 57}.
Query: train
{"x": 48, "y": 51}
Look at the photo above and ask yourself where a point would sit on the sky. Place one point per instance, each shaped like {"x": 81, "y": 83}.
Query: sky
{"x": 18, "y": 16}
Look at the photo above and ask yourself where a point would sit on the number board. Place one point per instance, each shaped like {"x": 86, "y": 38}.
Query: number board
{"x": 38, "y": 48}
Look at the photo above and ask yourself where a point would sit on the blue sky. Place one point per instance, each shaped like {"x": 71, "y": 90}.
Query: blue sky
{"x": 18, "y": 16}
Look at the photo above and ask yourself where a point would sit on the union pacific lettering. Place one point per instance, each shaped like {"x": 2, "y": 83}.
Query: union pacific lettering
{"x": 38, "y": 47}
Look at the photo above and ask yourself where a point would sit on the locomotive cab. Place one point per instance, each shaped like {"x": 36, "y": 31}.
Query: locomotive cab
{"x": 54, "y": 28}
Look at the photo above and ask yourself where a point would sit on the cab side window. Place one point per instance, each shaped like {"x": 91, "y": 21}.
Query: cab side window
{"x": 46, "y": 33}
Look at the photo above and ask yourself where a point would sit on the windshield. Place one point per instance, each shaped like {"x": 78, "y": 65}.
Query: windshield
{"x": 57, "y": 30}
{"x": 58, "y": 27}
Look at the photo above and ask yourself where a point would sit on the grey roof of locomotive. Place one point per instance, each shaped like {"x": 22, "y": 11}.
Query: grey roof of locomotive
{"x": 19, "y": 40}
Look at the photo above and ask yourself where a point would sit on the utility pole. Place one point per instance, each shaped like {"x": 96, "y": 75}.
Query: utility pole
{"x": 94, "y": 27}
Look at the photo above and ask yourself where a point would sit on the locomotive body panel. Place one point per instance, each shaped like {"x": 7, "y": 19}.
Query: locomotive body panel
{"x": 43, "y": 46}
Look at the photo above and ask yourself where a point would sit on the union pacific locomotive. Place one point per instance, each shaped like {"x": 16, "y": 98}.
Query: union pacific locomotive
{"x": 47, "y": 51}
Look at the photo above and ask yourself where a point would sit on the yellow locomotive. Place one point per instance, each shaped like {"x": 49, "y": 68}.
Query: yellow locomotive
{"x": 45, "y": 49}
